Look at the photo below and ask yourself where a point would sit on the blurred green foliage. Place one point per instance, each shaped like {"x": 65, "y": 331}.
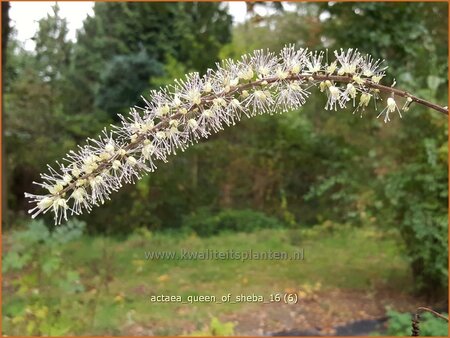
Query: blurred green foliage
{"x": 399, "y": 324}
{"x": 306, "y": 167}
{"x": 207, "y": 223}
{"x": 38, "y": 251}
{"x": 216, "y": 328}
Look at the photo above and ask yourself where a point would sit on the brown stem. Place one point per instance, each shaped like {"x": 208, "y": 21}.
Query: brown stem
{"x": 425, "y": 309}
{"x": 208, "y": 98}
{"x": 402, "y": 93}
{"x": 382, "y": 88}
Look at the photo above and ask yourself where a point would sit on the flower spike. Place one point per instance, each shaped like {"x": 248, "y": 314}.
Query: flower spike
{"x": 193, "y": 108}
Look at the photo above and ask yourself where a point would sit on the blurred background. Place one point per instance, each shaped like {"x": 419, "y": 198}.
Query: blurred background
{"x": 367, "y": 202}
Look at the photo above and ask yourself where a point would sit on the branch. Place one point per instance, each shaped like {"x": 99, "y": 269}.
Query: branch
{"x": 389, "y": 90}
{"x": 425, "y": 309}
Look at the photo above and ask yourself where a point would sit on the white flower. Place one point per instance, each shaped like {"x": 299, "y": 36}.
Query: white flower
{"x": 407, "y": 104}
{"x": 260, "y": 95}
{"x": 161, "y": 111}
{"x": 247, "y": 73}
{"x": 94, "y": 181}
{"x": 314, "y": 62}
{"x": 207, "y": 113}
{"x": 110, "y": 148}
{"x": 174, "y": 123}
{"x": 350, "y": 93}
{"x": 351, "y": 90}
{"x": 131, "y": 161}
{"x": 67, "y": 179}
{"x": 358, "y": 79}
{"x": 148, "y": 150}
{"x": 293, "y": 95}
{"x": 334, "y": 92}
{"x": 281, "y": 74}
{"x": 364, "y": 99}
{"x": 391, "y": 107}
{"x": 177, "y": 101}
{"x": 45, "y": 203}
{"x": 263, "y": 70}
{"x": 171, "y": 131}
{"x": 331, "y": 68}
{"x": 160, "y": 135}
{"x": 78, "y": 194}
{"x": 295, "y": 69}
{"x": 54, "y": 190}
{"x": 60, "y": 207}
{"x": 264, "y": 63}
{"x": 235, "y": 103}
{"x": 294, "y": 60}
{"x": 377, "y": 78}
{"x": 80, "y": 198}
{"x": 349, "y": 61}
{"x": 75, "y": 172}
{"x": 193, "y": 123}
{"x": 116, "y": 164}
{"x": 234, "y": 82}
{"x": 194, "y": 96}
{"x": 370, "y": 67}
{"x": 334, "y": 98}
{"x": 148, "y": 125}
{"x": 207, "y": 88}
{"x": 219, "y": 101}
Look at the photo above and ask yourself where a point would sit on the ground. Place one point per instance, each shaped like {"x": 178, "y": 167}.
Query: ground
{"x": 347, "y": 274}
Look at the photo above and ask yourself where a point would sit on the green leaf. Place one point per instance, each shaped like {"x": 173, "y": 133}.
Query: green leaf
{"x": 51, "y": 264}
{"x": 433, "y": 82}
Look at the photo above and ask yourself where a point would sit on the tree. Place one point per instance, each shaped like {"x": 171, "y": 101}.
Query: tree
{"x": 53, "y": 49}
{"x": 34, "y": 116}
{"x": 192, "y": 33}
{"x": 123, "y": 79}
{"x": 410, "y": 160}
{"x": 5, "y": 35}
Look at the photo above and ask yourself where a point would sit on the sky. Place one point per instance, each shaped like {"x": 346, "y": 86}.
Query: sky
{"x": 25, "y": 14}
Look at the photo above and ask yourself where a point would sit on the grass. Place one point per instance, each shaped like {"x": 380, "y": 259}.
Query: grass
{"x": 119, "y": 281}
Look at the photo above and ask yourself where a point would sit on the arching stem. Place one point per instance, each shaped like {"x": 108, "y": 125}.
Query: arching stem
{"x": 386, "y": 89}
{"x": 205, "y": 100}
{"x": 425, "y": 309}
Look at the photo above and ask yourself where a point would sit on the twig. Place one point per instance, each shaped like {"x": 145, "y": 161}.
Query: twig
{"x": 389, "y": 90}
{"x": 416, "y": 319}
{"x": 425, "y": 309}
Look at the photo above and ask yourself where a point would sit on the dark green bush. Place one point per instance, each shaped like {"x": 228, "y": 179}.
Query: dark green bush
{"x": 205, "y": 223}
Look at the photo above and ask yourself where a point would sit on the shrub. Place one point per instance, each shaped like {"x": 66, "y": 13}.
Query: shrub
{"x": 204, "y": 223}
{"x": 417, "y": 196}
{"x": 216, "y": 328}
{"x": 400, "y": 325}
{"x": 35, "y": 309}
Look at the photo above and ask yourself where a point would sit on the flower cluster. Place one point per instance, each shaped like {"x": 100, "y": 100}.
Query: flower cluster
{"x": 196, "y": 107}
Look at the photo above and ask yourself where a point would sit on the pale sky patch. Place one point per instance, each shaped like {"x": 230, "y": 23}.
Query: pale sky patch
{"x": 26, "y": 14}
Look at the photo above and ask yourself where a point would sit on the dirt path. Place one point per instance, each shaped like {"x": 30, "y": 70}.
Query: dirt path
{"x": 317, "y": 313}
{"x": 321, "y": 312}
